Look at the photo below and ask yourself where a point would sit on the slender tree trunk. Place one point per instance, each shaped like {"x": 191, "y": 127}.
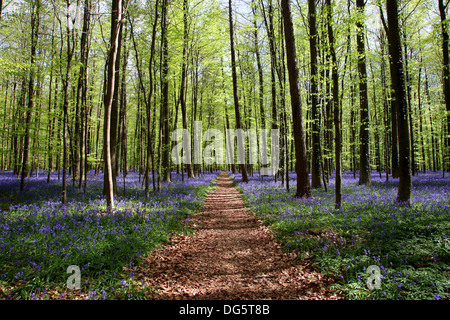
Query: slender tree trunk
{"x": 235, "y": 91}
{"x": 165, "y": 95}
{"x": 115, "y": 101}
{"x": 364, "y": 133}
{"x": 116, "y": 20}
{"x": 260, "y": 71}
{"x": 433, "y": 141}
{"x": 398, "y": 81}
{"x": 446, "y": 75}
{"x": 51, "y": 119}
{"x": 150, "y": 151}
{"x": 408, "y": 102}
{"x": 82, "y": 92}
{"x": 70, "y": 44}
{"x": 336, "y": 108}
{"x": 316, "y": 148}
{"x": 419, "y": 107}
{"x": 375, "y": 117}
{"x": 303, "y": 184}
{"x": 261, "y": 81}
{"x": 386, "y": 108}
{"x": 123, "y": 106}
{"x": 393, "y": 107}
{"x": 190, "y": 170}
{"x": 29, "y": 113}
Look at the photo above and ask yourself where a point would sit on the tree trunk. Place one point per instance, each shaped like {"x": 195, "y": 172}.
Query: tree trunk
{"x": 433, "y": 141}
{"x": 51, "y": 120}
{"x": 315, "y": 134}
{"x": 82, "y": 92}
{"x": 393, "y": 118}
{"x": 336, "y": 109}
{"x": 116, "y": 20}
{"x": 419, "y": 107}
{"x": 398, "y": 81}
{"x": 235, "y": 92}
{"x": 29, "y": 113}
{"x": 115, "y": 101}
{"x": 165, "y": 96}
{"x": 183, "y": 79}
{"x": 364, "y": 133}
{"x": 66, "y": 83}
{"x": 303, "y": 184}
{"x": 446, "y": 76}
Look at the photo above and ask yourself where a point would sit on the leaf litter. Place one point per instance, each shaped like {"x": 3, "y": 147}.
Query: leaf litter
{"x": 232, "y": 255}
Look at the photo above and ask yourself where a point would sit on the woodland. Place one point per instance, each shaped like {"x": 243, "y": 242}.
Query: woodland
{"x": 92, "y": 92}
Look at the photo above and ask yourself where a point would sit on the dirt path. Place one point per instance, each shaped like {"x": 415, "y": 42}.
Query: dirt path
{"x": 231, "y": 256}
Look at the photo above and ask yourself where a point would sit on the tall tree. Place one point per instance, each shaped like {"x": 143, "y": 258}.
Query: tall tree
{"x": 364, "y": 133}
{"x": 393, "y": 113}
{"x": 81, "y": 102}
{"x": 70, "y": 47}
{"x": 116, "y": 21}
{"x": 240, "y": 138}
{"x": 35, "y": 11}
{"x": 398, "y": 81}
{"x": 303, "y": 184}
{"x": 165, "y": 95}
{"x": 183, "y": 77}
{"x": 445, "y": 73}
{"x": 314, "y": 94}
{"x": 261, "y": 79}
{"x": 115, "y": 100}
{"x": 336, "y": 107}
{"x": 150, "y": 151}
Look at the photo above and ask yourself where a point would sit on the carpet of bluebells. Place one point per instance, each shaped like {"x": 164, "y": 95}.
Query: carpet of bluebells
{"x": 410, "y": 246}
{"x": 40, "y": 238}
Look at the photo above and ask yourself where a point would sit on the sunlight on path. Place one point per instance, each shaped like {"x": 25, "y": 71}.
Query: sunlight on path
{"x": 231, "y": 256}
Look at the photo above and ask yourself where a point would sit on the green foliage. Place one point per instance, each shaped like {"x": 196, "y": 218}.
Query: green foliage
{"x": 410, "y": 245}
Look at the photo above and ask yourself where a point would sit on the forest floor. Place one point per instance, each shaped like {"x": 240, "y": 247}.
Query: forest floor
{"x": 232, "y": 255}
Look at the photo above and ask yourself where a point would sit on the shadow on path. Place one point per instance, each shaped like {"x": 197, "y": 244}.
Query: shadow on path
{"x": 231, "y": 256}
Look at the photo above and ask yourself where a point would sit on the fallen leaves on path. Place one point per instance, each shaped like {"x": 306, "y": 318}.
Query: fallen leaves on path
{"x": 231, "y": 256}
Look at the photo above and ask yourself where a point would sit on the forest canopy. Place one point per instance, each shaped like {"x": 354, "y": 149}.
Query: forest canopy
{"x": 92, "y": 85}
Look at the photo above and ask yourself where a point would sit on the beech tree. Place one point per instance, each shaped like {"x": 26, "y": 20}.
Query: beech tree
{"x": 112, "y": 58}
{"x": 35, "y": 12}
{"x": 316, "y": 150}
{"x": 303, "y": 184}
{"x": 364, "y": 133}
{"x": 240, "y": 138}
{"x": 398, "y": 81}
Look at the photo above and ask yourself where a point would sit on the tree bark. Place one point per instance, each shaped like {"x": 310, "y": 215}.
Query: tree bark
{"x": 398, "y": 81}
{"x": 82, "y": 92}
{"x": 183, "y": 78}
{"x": 315, "y": 134}
{"x": 303, "y": 184}
{"x": 393, "y": 116}
{"x": 165, "y": 96}
{"x": 364, "y": 133}
{"x": 336, "y": 109}
{"x": 235, "y": 91}
{"x": 35, "y": 8}
{"x": 116, "y": 20}
{"x": 446, "y": 76}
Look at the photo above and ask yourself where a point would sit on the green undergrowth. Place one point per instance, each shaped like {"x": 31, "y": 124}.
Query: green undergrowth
{"x": 409, "y": 246}
{"x": 37, "y": 245}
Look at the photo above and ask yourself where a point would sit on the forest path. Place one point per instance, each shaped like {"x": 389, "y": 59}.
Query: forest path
{"x": 231, "y": 256}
